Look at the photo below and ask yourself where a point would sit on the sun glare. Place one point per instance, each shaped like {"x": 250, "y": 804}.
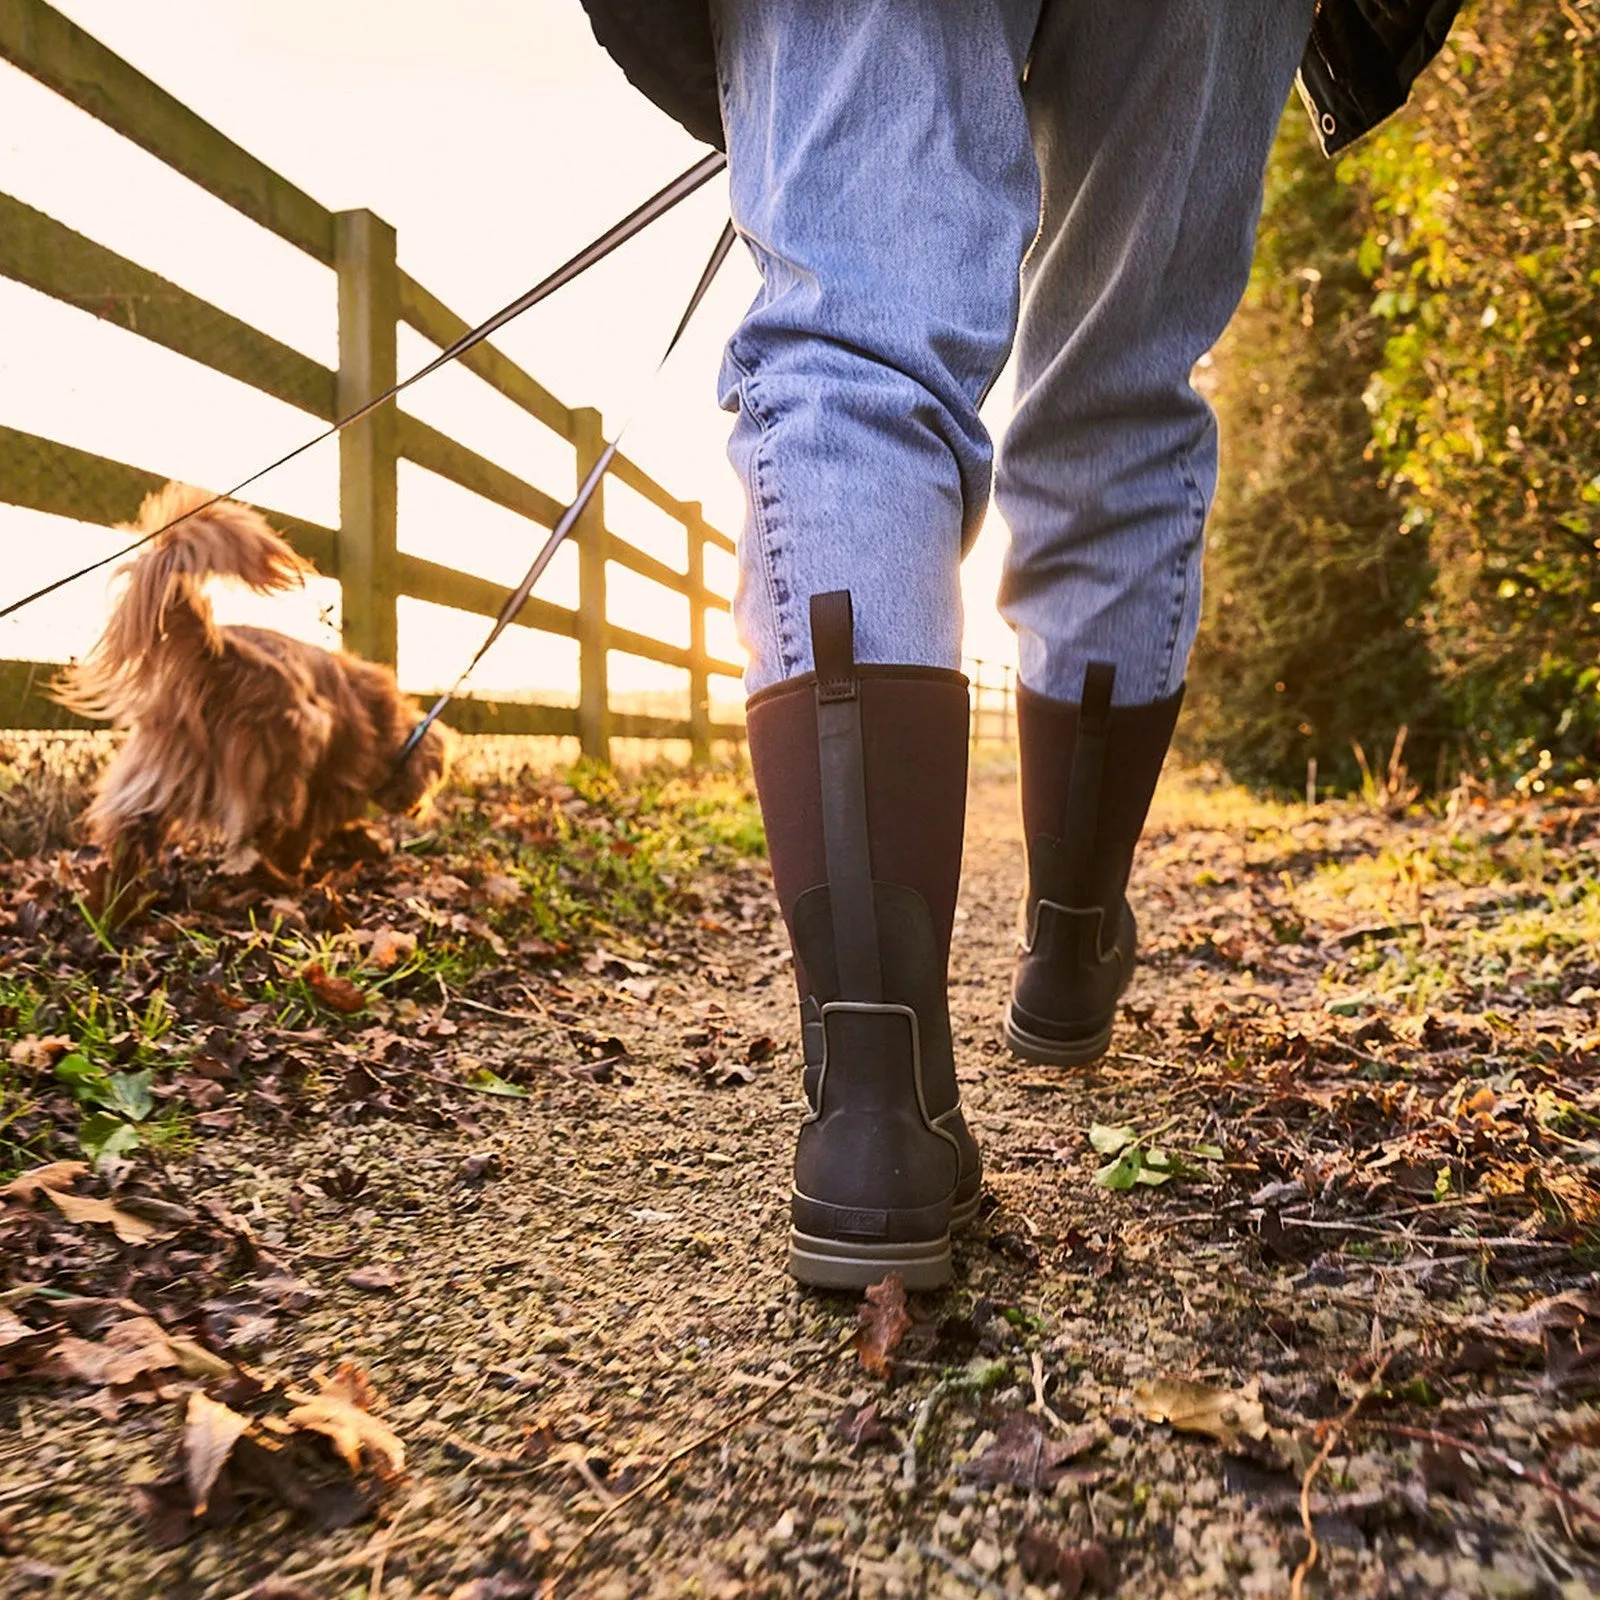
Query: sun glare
{"x": 495, "y": 146}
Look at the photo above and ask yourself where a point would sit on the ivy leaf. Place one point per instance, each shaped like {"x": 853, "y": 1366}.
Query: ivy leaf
{"x": 1122, "y": 1173}
{"x": 492, "y": 1083}
{"x": 102, "y": 1137}
{"x": 81, "y": 1075}
{"x": 129, "y": 1094}
{"x": 1108, "y": 1141}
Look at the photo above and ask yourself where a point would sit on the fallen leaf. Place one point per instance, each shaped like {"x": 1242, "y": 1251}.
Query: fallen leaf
{"x": 54, "y": 1176}
{"x": 862, "y": 1426}
{"x": 376, "y": 1280}
{"x": 389, "y": 946}
{"x": 38, "y": 1053}
{"x": 1110, "y": 1141}
{"x": 1445, "y": 1471}
{"x": 882, "y": 1322}
{"x": 20, "y": 1343}
{"x": 127, "y": 1351}
{"x": 127, "y": 1227}
{"x": 490, "y": 1082}
{"x": 1135, "y": 1165}
{"x": 1045, "y": 1560}
{"x": 1227, "y": 1415}
{"x": 500, "y": 890}
{"x": 479, "y": 1167}
{"x": 340, "y": 1413}
{"x": 210, "y": 1431}
{"x": 1529, "y": 1325}
{"x": 338, "y": 994}
{"x": 1024, "y": 1454}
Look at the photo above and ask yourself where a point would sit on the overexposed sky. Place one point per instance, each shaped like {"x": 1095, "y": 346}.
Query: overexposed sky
{"x": 497, "y": 138}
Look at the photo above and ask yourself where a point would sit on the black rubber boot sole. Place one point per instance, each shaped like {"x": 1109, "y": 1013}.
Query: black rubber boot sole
{"x": 1043, "y": 1051}
{"x": 852, "y": 1264}
{"x": 823, "y": 1263}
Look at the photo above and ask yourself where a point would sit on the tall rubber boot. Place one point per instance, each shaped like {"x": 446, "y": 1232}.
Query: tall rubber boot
{"x": 1089, "y": 772}
{"x": 862, "y": 773}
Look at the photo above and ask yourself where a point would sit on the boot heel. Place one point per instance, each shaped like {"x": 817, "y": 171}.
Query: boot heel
{"x": 1044, "y": 1052}
{"x": 847, "y": 1264}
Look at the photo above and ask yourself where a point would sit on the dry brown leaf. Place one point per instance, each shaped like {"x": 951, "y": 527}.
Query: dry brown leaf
{"x": 39, "y": 1054}
{"x": 127, "y": 1227}
{"x": 389, "y": 946}
{"x": 210, "y": 1431}
{"x": 338, "y": 994}
{"x": 1528, "y": 1326}
{"x": 128, "y": 1350}
{"x": 53, "y": 1176}
{"x": 1024, "y": 1454}
{"x": 375, "y": 1280}
{"x": 500, "y": 890}
{"x": 882, "y": 1322}
{"x": 340, "y": 1413}
{"x": 1227, "y": 1415}
{"x": 1044, "y": 1559}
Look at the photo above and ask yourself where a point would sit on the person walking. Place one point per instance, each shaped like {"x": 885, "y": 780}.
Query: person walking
{"x": 921, "y": 184}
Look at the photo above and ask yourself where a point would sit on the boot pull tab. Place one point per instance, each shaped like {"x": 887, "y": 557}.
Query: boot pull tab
{"x": 833, "y": 645}
{"x": 842, "y": 763}
{"x": 1082, "y": 821}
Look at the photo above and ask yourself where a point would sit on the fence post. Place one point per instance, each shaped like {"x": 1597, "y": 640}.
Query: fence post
{"x": 594, "y": 735}
{"x": 699, "y": 677}
{"x": 369, "y": 305}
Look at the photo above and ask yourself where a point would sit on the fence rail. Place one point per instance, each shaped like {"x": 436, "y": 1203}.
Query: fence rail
{"x": 374, "y": 297}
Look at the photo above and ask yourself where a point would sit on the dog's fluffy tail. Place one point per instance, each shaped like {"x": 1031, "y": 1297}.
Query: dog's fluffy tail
{"x": 162, "y": 622}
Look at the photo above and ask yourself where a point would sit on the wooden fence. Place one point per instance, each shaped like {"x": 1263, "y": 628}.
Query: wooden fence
{"x": 374, "y": 296}
{"x": 994, "y": 701}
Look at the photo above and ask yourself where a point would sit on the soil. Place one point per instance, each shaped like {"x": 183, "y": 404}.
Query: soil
{"x": 1361, "y": 1240}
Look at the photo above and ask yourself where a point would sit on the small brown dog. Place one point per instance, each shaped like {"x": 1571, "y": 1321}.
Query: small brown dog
{"x": 236, "y": 734}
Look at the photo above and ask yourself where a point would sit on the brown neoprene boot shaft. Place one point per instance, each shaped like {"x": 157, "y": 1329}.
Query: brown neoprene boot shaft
{"x": 1089, "y": 772}
{"x": 862, "y": 776}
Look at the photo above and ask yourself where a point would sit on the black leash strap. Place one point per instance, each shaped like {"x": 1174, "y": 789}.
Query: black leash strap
{"x": 656, "y": 206}
{"x": 568, "y": 518}
{"x": 846, "y": 841}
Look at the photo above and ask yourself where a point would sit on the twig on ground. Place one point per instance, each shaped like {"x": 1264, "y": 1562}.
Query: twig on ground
{"x": 495, "y": 1011}
{"x": 388, "y": 1537}
{"x": 964, "y": 1570}
{"x": 569, "y": 1555}
{"x": 356, "y": 1558}
{"x": 919, "y": 1431}
{"x": 1517, "y": 1469}
{"x": 1351, "y": 1050}
{"x": 1040, "y": 1404}
{"x": 1400, "y": 1236}
{"x": 1330, "y": 1441}
{"x": 500, "y": 1460}
{"x": 576, "y": 1457}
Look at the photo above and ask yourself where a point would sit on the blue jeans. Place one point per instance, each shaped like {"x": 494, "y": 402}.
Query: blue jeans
{"x": 923, "y": 181}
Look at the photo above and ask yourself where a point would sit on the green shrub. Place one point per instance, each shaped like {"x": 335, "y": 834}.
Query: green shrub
{"x": 1308, "y": 646}
{"x": 1484, "y": 248}
{"x": 1407, "y": 533}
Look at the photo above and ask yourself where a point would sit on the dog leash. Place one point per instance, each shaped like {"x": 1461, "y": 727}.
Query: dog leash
{"x": 568, "y": 518}
{"x": 658, "y": 205}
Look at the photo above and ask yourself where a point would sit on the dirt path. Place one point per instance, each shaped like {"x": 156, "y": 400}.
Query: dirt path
{"x": 572, "y": 1287}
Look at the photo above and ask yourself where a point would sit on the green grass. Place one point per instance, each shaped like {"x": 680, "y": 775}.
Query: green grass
{"x": 546, "y": 865}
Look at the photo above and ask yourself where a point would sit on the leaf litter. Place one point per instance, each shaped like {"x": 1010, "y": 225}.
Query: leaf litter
{"x": 1399, "y": 1180}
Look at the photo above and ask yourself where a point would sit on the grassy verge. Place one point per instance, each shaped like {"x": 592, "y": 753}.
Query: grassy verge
{"x": 146, "y": 1022}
